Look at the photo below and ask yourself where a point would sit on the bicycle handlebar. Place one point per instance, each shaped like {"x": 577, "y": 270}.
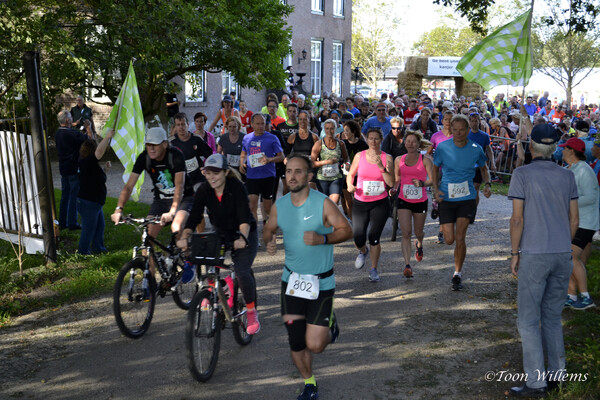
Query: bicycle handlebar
{"x": 128, "y": 219}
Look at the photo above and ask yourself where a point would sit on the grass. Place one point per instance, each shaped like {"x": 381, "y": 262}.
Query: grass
{"x": 582, "y": 342}
{"x": 74, "y": 276}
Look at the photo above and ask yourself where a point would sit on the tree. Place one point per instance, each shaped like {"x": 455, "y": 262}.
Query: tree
{"x": 374, "y": 48}
{"x": 562, "y": 53}
{"x": 582, "y": 17}
{"x": 445, "y": 40}
{"x": 89, "y": 44}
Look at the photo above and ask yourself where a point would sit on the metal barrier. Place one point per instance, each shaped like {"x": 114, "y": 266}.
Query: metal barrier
{"x": 19, "y": 201}
{"x": 506, "y": 155}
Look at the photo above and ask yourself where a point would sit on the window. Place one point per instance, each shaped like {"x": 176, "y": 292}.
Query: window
{"x": 316, "y": 66}
{"x": 336, "y": 71}
{"x": 195, "y": 86}
{"x": 338, "y": 8}
{"x": 230, "y": 85}
{"x": 316, "y": 6}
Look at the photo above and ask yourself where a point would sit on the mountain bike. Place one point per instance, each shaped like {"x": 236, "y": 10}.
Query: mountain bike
{"x": 210, "y": 308}
{"x": 136, "y": 290}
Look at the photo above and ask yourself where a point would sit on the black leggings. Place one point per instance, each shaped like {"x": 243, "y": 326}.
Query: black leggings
{"x": 375, "y": 212}
{"x": 242, "y": 264}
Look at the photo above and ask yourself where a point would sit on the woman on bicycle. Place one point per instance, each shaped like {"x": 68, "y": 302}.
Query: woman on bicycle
{"x": 374, "y": 169}
{"x": 413, "y": 172}
{"x": 225, "y": 197}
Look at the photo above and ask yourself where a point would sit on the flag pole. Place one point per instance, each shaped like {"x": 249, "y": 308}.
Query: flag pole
{"x": 530, "y": 52}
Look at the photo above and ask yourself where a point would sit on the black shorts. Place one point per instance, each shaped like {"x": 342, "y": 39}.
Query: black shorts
{"x": 417, "y": 208}
{"x": 161, "y": 206}
{"x": 583, "y": 237}
{"x": 451, "y": 210}
{"x": 263, "y": 187}
{"x": 317, "y": 312}
{"x": 478, "y": 178}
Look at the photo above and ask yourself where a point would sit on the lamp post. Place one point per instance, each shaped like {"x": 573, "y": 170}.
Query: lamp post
{"x": 356, "y": 71}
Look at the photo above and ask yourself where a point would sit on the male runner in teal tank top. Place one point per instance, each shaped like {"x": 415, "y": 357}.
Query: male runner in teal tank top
{"x": 311, "y": 224}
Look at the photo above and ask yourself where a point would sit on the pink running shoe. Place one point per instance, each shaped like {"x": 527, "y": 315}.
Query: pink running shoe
{"x": 253, "y": 324}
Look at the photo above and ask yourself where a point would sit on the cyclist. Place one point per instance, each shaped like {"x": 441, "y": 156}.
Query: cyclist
{"x": 225, "y": 197}
{"x": 311, "y": 223}
{"x": 371, "y": 204}
{"x": 413, "y": 172}
{"x": 173, "y": 192}
{"x": 455, "y": 194}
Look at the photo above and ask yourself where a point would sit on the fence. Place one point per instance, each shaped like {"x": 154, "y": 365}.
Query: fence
{"x": 19, "y": 201}
{"x": 506, "y": 155}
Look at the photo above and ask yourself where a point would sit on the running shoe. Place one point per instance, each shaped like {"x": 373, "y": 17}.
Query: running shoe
{"x": 361, "y": 259}
{"x": 253, "y": 324}
{"x": 569, "y": 302}
{"x": 373, "y": 275}
{"x": 440, "y": 238}
{"x": 456, "y": 283}
{"x": 309, "y": 393}
{"x": 419, "y": 252}
{"x": 189, "y": 272}
{"x": 408, "y": 271}
{"x": 434, "y": 210}
{"x": 583, "y": 303}
{"x": 335, "y": 329}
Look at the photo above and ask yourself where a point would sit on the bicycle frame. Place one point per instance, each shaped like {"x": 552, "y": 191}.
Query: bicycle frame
{"x": 213, "y": 273}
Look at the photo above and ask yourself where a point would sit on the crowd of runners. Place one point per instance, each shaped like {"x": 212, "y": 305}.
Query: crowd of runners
{"x": 342, "y": 164}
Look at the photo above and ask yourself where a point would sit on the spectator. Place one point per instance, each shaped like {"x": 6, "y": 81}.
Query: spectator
{"x": 68, "y": 142}
{"x": 92, "y": 194}
{"x": 80, "y": 113}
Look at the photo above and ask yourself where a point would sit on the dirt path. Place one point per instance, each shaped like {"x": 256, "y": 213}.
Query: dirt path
{"x": 399, "y": 339}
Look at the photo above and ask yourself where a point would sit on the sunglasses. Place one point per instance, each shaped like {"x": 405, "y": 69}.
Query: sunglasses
{"x": 395, "y": 128}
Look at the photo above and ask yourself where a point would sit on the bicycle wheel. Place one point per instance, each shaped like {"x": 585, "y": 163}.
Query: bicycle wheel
{"x": 184, "y": 292}
{"x": 240, "y": 318}
{"x": 203, "y": 336}
{"x": 132, "y": 307}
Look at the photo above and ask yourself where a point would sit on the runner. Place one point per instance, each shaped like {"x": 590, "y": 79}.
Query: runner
{"x": 482, "y": 139}
{"x": 286, "y": 129}
{"x": 225, "y": 198}
{"x": 354, "y": 142}
{"x": 245, "y": 117}
{"x": 327, "y": 155}
{"x": 194, "y": 149}
{"x": 413, "y": 172}
{"x": 260, "y": 152}
{"x": 456, "y": 194}
{"x": 225, "y": 112}
{"x": 371, "y": 204}
{"x": 230, "y": 143}
{"x": 311, "y": 224}
{"x": 436, "y": 139}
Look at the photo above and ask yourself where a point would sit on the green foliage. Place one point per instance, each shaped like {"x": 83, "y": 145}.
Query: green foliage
{"x": 90, "y": 43}
{"x": 445, "y": 40}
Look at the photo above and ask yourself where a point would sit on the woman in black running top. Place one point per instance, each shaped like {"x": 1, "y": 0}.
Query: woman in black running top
{"x": 353, "y": 139}
{"x": 303, "y": 141}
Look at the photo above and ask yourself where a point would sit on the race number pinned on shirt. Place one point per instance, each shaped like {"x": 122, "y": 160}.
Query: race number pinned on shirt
{"x": 330, "y": 170}
{"x": 411, "y": 192}
{"x": 458, "y": 190}
{"x": 373, "y": 188}
{"x": 255, "y": 160}
{"x": 233, "y": 160}
{"x": 191, "y": 165}
{"x": 304, "y": 286}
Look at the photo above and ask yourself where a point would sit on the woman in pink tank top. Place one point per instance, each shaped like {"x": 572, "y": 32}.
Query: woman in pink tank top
{"x": 370, "y": 204}
{"x": 413, "y": 172}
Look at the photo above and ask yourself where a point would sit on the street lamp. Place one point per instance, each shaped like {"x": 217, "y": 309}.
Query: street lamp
{"x": 356, "y": 71}
{"x": 303, "y": 56}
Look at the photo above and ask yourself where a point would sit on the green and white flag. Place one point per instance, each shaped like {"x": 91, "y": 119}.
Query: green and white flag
{"x": 128, "y": 121}
{"x": 502, "y": 58}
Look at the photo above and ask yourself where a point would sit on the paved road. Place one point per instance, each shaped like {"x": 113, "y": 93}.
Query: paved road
{"x": 399, "y": 339}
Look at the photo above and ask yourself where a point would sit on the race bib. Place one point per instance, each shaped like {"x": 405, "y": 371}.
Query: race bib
{"x": 330, "y": 170}
{"x": 233, "y": 160}
{"x": 556, "y": 120}
{"x": 254, "y": 160}
{"x": 304, "y": 286}
{"x": 458, "y": 190}
{"x": 373, "y": 188}
{"x": 411, "y": 192}
{"x": 191, "y": 165}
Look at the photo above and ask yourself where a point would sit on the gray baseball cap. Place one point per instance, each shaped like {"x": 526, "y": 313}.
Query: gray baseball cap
{"x": 216, "y": 163}
{"x": 156, "y": 135}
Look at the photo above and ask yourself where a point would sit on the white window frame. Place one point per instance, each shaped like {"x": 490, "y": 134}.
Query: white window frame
{"x": 338, "y": 8}
{"x": 229, "y": 84}
{"x": 317, "y": 6}
{"x": 316, "y": 66}
{"x": 195, "y": 92}
{"x": 337, "y": 67}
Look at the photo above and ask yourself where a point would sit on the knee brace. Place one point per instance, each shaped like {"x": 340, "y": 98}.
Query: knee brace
{"x": 296, "y": 334}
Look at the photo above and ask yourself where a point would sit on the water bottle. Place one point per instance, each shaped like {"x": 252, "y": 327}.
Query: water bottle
{"x": 228, "y": 290}
{"x": 169, "y": 265}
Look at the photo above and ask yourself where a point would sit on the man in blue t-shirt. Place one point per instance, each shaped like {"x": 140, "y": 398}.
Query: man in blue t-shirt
{"x": 530, "y": 106}
{"x": 380, "y": 120}
{"x": 456, "y": 194}
{"x": 482, "y": 139}
{"x": 260, "y": 153}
